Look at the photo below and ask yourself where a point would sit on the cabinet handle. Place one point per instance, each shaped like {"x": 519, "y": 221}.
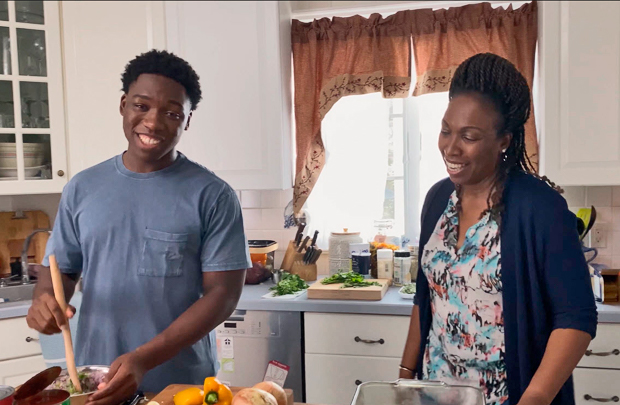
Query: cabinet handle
{"x": 29, "y": 339}
{"x": 591, "y": 398}
{"x": 357, "y": 382}
{"x": 358, "y": 339}
{"x": 61, "y": 173}
{"x": 614, "y": 352}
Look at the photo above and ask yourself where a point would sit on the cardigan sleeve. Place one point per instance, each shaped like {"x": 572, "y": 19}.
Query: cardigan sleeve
{"x": 565, "y": 273}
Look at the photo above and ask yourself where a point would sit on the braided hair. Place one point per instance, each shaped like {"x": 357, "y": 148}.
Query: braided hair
{"x": 499, "y": 81}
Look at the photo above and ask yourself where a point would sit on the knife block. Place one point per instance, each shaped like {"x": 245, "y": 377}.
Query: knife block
{"x": 289, "y": 257}
{"x": 307, "y": 272}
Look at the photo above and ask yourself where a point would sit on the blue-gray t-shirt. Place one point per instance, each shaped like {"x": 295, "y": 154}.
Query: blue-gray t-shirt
{"x": 141, "y": 242}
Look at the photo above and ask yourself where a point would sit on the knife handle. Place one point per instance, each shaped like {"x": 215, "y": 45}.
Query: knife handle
{"x": 314, "y": 238}
{"x": 303, "y": 245}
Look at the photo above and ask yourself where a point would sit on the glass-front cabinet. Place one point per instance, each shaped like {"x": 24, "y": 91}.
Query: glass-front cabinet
{"x": 32, "y": 131}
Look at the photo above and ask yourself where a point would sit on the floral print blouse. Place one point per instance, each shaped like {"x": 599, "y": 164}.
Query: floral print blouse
{"x": 466, "y": 340}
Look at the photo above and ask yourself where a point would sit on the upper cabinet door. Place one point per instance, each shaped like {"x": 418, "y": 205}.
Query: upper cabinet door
{"x": 579, "y": 53}
{"x": 241, "y": 129}
{"x": 100, "y": 38}
{"x": 32, "y": 122}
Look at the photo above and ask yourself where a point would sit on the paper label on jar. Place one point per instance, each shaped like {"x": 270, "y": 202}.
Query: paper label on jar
{"x": 384, "y": 270}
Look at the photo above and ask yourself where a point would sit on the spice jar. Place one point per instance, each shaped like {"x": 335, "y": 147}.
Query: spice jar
{"x": 402, "y": 267}
{"x": 385, "y": 264}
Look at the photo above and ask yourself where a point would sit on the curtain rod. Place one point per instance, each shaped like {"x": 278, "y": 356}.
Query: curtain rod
{"x": 387, "y": 9}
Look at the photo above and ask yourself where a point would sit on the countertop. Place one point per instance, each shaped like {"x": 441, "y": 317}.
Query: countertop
{"x": 251, "y": 299}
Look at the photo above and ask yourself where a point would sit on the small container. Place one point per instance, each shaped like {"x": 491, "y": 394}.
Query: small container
{"x": 262, "y": 254}
{"x": 6, "y": 395}
{"x": 362, "y": 260}
{"x": 414, "y": 262}
{"x": 339, "y": 255}
{"x": 385, "y": 264}
{"x": 402, "y": 267}
{"x": 355, "y": 248}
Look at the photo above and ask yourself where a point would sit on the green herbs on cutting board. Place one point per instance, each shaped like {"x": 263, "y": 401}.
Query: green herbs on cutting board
{"x": 348, "y": 280}
{"x": 289, "y": 284}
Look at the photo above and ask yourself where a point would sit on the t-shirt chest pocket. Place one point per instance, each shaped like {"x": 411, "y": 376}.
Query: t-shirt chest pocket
{"x": 162, "y": 255}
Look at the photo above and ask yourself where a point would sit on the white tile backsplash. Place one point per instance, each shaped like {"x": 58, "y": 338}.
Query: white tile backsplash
{"x": 253, "y": 219}
{"x": 273, "y": 218}
{"x": 270, "y": 199}
{"x": 575, "y": 196}
{"x": 599, "y": 196}
{"x": 603, "y": 214}
{"x": 616, "y": 219}
{"x": 615, "y": 196}
{"x": 250, "y": 199}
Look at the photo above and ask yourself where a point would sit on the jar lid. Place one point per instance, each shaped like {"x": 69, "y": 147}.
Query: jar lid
{"x": 345, "y": 231}
{"x": 402, "y": 253}
{"x": 262, "y": 246}
{"x": 384, "y": 253}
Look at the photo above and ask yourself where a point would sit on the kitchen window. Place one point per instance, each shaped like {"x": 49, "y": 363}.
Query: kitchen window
{"x": 381, "y": 159}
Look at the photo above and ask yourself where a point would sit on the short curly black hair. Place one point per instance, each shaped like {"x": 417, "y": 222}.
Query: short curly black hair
{"x": 166, "y": 64}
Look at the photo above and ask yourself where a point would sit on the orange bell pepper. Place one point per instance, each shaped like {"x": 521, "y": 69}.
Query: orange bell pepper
{"x": 216, "y": 392}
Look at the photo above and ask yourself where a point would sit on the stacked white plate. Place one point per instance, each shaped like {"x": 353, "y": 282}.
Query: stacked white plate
{"x": 34, "y": 154}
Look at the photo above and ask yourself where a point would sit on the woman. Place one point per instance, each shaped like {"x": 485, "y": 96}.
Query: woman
{"x": 503, "y": 293}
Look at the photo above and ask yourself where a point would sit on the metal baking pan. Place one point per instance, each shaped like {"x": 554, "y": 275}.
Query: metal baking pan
{"x": 416, "y": 392}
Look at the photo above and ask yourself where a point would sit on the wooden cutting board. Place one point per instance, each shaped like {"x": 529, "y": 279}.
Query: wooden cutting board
{"x": 13, "y": 232}
{"x": 165, "y": 397}
{"x": 320, "y": 291}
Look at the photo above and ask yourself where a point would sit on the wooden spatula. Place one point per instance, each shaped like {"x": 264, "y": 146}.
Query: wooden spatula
{"x": 59, "y": 293}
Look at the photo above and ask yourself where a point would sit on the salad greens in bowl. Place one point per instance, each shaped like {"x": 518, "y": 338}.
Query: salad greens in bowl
{"x": 407, "y": 291}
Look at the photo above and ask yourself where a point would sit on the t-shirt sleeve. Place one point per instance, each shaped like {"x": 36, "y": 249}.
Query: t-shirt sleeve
{"x": 64, "y": 242}
{"x": 224, "y": 246}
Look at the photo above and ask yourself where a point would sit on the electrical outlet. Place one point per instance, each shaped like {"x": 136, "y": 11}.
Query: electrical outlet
{"x": 598, "y": 237}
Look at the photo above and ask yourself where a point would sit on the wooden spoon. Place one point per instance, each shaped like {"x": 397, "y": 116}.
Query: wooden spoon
{"x": 59, "y": 293}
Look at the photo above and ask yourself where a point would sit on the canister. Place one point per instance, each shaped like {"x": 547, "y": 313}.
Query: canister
{"x": 339, "y": 254}
{"x": 6, "y": 395}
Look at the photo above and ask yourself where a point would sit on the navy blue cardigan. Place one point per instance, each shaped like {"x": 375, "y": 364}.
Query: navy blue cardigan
{"x": 545, "y": 279}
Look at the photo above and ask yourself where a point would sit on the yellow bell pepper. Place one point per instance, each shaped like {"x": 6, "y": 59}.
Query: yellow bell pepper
{"x": 216, "y": 392}
{"x": 189, "y": 396}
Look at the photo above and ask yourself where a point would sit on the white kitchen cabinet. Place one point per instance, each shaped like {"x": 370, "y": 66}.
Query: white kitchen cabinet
{"x": 20, "y": 352}
{"x": 344, "y": 350}
{"x": 604, "y": 350}
{"x": 332, "y": 379}
{"x": 579, "y": 54}
{"x": 99, "y": 38}
{"x": 17, "y": 371}
{"x": 242, "y": 53}
{"x": 357, "y": 335}
{"x": 596, "y": 385}
{"x": 17, "y": 339}
{"x": 32, "y": 127}
{"x": 598, "y": 372}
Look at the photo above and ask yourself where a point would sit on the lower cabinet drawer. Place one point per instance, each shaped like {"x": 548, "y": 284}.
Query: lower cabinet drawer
{"x": 593, "y": 386}
{"x": 604, "y": 350}
{"x": 17, "y": 339}
{"x": 332, "y": 379}
{"x": 17, "y": 371}
{"x": 356, "y": 335}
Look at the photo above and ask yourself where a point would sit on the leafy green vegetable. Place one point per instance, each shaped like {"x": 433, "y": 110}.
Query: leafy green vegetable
{"x": 408, "y": 289}
{"x": 348, "y": 280}
{"x": 289, "y": 284}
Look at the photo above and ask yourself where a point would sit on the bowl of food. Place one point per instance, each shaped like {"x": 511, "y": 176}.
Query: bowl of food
{"x": 90, "y": 377}
{"x": 407, "y": 291}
